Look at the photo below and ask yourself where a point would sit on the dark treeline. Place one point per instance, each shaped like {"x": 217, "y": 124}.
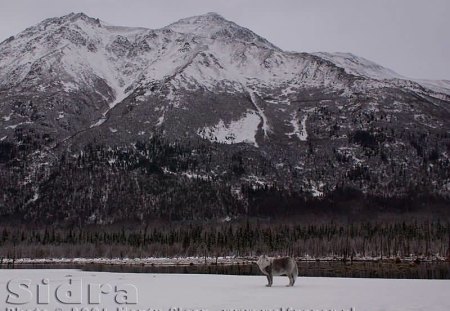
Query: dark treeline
{"x": 251, "y": 238}
{"x": 166, "y": 189}
{"x": 189, "y": 180}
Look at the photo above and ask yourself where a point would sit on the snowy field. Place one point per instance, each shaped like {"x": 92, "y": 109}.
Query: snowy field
{"x": 213, "y": 292}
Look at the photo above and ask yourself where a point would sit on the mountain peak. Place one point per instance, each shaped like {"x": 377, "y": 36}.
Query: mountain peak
{"x": 67, "y": 19}
{"x": 213, "y": 15}
{"x": 72, "y": 17}
{"x": 212, "y": 25}
{"x": 77, "y": 15}
{"x": 197, "y": 19}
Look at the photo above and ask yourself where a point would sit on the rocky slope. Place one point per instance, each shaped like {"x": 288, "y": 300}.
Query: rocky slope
{"x": 99, "y": 114}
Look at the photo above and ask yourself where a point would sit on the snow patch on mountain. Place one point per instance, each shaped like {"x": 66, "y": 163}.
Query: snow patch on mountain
{"x": 69, "y": 86}
{"x": 161, "y": 119}
{"x": 299, "y": 129}
{"x": 241, "y": 131}
{"x": 315, "y": 189}
{"x": 7, "y": 118}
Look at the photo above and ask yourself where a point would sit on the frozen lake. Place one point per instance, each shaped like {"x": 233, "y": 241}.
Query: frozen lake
{"x": 84, "y": 289}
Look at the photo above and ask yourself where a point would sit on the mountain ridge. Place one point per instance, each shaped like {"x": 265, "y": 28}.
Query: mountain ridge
{"x": 229, "y": 109}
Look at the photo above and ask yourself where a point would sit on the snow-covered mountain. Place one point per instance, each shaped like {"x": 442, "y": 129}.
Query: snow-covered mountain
{"x": 312, "y": 122}
{"x": 362, "y": 67}
{"x": 359, "y": 66}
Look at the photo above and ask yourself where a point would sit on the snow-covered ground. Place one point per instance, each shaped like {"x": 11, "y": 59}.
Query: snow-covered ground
{"x": 219, "y": 292}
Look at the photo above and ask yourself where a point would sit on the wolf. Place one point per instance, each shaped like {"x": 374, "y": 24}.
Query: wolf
{"x": 278, "y": 266}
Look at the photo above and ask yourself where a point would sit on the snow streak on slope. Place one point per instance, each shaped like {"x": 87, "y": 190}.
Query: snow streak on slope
{"x": 265, "y": 123}
{"x": 243, "y": 130}
{"x": 303, "y": 135}
{"x": 161, "y": 118}
{"x": 98, "y": 122}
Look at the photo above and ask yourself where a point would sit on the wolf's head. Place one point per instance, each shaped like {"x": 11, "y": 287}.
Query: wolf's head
{"x": 263, "y": 262}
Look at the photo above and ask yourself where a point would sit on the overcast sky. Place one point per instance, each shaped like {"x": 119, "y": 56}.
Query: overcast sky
{"x": 411, "y": 37}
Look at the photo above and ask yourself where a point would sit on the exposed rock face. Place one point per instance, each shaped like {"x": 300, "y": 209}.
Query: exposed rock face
{"x": 239, "y": 109}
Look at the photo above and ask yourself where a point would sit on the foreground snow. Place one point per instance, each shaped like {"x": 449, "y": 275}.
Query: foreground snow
{"x": 217, "y": 292}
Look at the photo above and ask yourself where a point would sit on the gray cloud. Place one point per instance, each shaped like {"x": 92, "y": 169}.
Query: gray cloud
{"x": 408, "y": 36}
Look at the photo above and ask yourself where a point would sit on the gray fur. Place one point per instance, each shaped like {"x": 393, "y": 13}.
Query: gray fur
{"x": 278, "y": 266}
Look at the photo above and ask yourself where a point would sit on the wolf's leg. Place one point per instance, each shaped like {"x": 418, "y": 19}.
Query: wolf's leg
{"x": 294, "y": 273}
{"x": 270, "y": 276}
{"x": 268, "y": 281}
{"x": 291, "y": 280}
